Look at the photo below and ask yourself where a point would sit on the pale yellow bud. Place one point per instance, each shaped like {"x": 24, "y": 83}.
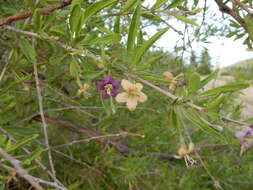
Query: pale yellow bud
{"x": 168, "y": 75}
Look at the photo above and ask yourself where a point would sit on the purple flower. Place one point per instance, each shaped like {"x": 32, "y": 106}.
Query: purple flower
{"x": 246, "y": 137}
{"x": 108, "y": 87}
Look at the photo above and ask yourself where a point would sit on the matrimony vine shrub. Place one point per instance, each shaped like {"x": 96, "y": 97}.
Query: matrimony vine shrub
{"x": 88, "y": 100}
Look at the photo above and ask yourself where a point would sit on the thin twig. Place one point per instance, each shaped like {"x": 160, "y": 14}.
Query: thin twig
{"x": 36, "y": 160}
{"x": 44, "y": 123}
{"x": 242, "y": 5}
{"x": 122, "y": 134}
{"x": 20, "y": 171}
{"x": 27, "y": 14}
{"x": 58, "y": 43}
{"x": 38, "y": 180}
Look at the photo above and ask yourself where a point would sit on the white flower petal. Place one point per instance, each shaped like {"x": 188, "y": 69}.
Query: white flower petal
{"x": 142, "y": 97}
{"x": 131, "y": 104}
{"x": 138, "y": 86}
{"x": 121, "y": 97}
{"x": 126, "y": 84}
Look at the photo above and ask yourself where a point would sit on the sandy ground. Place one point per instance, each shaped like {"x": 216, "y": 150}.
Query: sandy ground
{"x": 246, "y": 97}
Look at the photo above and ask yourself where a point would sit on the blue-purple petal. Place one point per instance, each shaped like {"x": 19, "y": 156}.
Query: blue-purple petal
{"x": 116, "y": 84}
{"x": 105, "y": 95}
{"x": 108, "y": 79}
{"x": 114, "y": 93}
{"x": 101, "y": 85}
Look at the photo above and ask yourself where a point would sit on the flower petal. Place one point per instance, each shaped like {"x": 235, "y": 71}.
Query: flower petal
{"x": 122, "y": 97}
{"x": 138, "y": 86}
{"x": 108, "y": 79}
{"x": 131, "y": 104}
{"x": 101, "y": 85}
{"x": 114, "y": 93}
{"x": 142, "y": 97}
{"x": 116, "y": 84}
{"x": 243, "y": 134}
{"x": 126, "y": 84}
{"x": 105, "y": 95}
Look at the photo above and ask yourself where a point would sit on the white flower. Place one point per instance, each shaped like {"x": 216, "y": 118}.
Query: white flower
{"x": 132, "y": 96}
{"x": 83, "y": 89}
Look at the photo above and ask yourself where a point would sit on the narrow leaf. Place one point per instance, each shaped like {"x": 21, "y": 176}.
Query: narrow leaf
{"x": 27, "y": 50}
{"x": 194, "y": 83}
{"x": 95, "y": 7}
{"x": 22, "y": 142}
{"x": 129, "y": 4}
{"x": 158, "y": 4}
{"x": 147, "y": 44}
{"x": 224, "y": 88}
{"x": 175, "y": 3}
{"x": 133, "y": 30}
{"x": 185, "y": 19}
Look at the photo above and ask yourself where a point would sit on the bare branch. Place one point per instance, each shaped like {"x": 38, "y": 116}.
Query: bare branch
{"x": 43, "y": 11}
{"x": 20, "y": 171}
{"x": 44, "y": 124}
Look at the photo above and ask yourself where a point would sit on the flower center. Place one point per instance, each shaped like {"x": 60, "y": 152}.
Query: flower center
{"x": 108, "y": 88}
{"x": 133, "y": 92}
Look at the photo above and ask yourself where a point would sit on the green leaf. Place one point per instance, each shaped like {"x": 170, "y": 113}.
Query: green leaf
{"x": 151, "y": 17}
{"x": 20, "y": 130}
{"x": 35, "y": 154}
{"x": 230, "y": 34}
{"x": 117, "y": 25}
{"x": 30, "y": 4}
{"x": 74, "y": 68}
{"x": 158, "y": 4}
{"x": 27, "y": 50}
{"x": 37, "y": 20}
{"x": 249, "y": 25}
{"x": 3, "y": 139}
{"x": 91, "y": 74}
{"x": 194, "y": 83}
{"x": 108, "y": 39}
{"x": 216, "y": 102}
{"x": 133, "y": 30}
{"x": 76, "y": 19}
{"x": 208, "y": 79}
{"x": 224, "y": 88}
{"x": 147, "y": 44}
{"x": 197, "y": 121}
{"x": 175, "y": 3}
{"x": 21, "y": 142}
{"x": 185, "y": 19}
{"x": 196, "y": 2}
{"x": 129, "y": 4}
{"x": 95, "y": 7}
{"x": 154, "y": 59}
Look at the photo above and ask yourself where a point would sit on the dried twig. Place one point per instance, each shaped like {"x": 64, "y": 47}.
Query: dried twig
{"x": 80, "y": 130}
{"x": 58, "y": 43}
{"x": 226, "y": 9}
{"x": 36, "y": 160}
{"x": 44, "y": 124}
{"x": 20, "y": 171}
{"x": 43, "y": 11}
{"x": 38, "y": 180}
{"x": 242, "y": 5}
